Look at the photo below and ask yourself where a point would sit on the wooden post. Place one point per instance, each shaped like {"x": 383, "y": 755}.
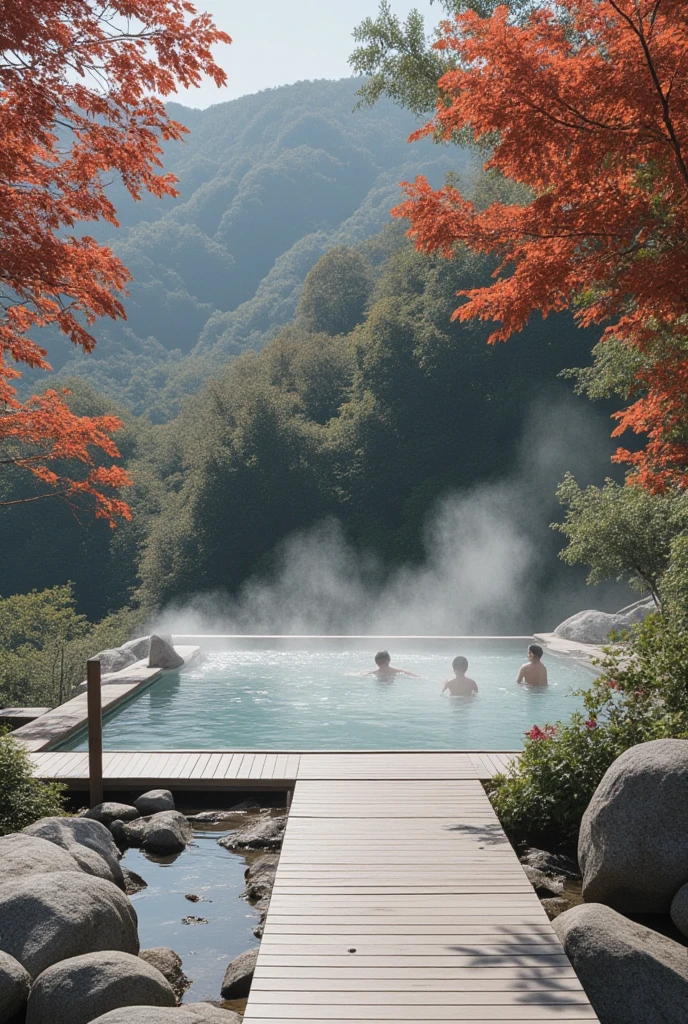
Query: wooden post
{"x": 95, "y": 732}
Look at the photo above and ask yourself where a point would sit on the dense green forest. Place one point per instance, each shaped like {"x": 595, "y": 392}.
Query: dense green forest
{"x": 289, "y": 360}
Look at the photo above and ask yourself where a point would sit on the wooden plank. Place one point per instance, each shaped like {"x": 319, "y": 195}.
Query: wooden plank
{"x": 232, "y": 769}
{"x": 414, "y": 947}
{"x": 338, "y": 987}
{"x": 257, "y": 767}
{"x": 458, "y": 930}
{"x": 130, "y": 769}
{"x": 198, "y": 770}
{"x": 495, "y": 996}
{"x": 398, "y": 1011}
{"x": 111, "y": 762}
{"x": 211, "y": 766}
{"x": 463, "y": 922}
{"x": 146, "y": 769}
{"x": 351, "y": 974}
{"x": 184, "y": 766}
{"x": 246, "y": 765}
{"x": 222, "y": 766}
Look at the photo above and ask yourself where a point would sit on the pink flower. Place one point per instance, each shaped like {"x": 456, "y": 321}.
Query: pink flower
{"x": 536, "y": 733}
{"x": 591, "y": 724}
{"x": 613, "y": 685}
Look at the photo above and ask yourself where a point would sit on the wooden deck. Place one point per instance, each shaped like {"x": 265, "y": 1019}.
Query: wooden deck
{"x": 403, "y": 900}
{"x": 398, "y": 896}
{"x": 218, "y": 769}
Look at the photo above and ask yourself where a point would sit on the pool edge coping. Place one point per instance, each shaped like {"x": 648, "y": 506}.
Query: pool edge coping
{"x": 63, "y": 721}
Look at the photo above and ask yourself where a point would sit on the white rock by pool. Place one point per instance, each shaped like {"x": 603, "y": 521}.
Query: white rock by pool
{"x": 312, "y": 695}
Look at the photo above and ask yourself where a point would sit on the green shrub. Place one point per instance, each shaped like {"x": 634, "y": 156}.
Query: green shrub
{"x": 641, "y": 694}
{"x": 23, "y": 798}
{"x": 44, "y": 645}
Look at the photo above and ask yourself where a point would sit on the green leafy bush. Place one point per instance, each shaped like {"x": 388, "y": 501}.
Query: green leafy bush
{"x": 44, "y": 645}
{"x": 641, "y": 694}
{"x": 23, "y": 798}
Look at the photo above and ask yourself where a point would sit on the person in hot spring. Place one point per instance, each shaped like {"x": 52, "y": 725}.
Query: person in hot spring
{"x": 385, "y": 670}
{"x": 533, "y": 673}
{"x": 460, "y": 685}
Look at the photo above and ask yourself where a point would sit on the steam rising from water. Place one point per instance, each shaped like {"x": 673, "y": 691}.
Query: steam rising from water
{"x": 490, "y": 561}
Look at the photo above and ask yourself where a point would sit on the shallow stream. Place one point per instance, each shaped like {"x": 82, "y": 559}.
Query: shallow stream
{"x": 207, "y": 870}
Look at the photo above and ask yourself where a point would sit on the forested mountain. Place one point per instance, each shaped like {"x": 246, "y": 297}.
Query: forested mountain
{"x": 324, "y": 377}
{"x": 268, "y": 183}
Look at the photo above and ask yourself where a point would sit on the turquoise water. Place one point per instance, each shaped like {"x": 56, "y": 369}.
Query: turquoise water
{"x": 299, "y": 695}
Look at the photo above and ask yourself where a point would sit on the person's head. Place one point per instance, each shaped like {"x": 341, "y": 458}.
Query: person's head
{"x": 460, "y": 665}
{"x": 534, "y": 652}
{"x": 382, "y": 659}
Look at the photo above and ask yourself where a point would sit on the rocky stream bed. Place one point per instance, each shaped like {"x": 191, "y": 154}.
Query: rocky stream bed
{"x": 70, "y": 936}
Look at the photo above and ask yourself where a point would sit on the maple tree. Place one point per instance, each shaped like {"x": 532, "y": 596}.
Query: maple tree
{"x": 81, "y": 88}
{"x": 588, "y": 108}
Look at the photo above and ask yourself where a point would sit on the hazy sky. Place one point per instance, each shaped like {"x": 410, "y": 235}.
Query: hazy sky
{"x": 275, "y": 43}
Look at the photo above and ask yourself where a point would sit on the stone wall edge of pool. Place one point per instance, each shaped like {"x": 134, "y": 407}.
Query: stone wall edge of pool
{"x": 69, "y": 718}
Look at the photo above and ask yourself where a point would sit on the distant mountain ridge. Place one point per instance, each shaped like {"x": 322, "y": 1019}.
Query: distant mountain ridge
{"x": 268, "y": 183}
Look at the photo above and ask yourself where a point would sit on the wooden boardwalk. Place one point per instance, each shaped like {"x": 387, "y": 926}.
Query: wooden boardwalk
{"x": 217, "y": 769}
{"x": 402, "y": 900}
{"x": 397, "y": 897}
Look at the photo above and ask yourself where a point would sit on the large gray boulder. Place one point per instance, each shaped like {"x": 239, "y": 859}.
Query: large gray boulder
{"x": 15, "y": 982}
{"x": 46, "y": 918}
{"x": 591, "y": 627}
{"x": 169, "y": 964}
{"x": 260, "y": 878}
{"x": 633, "y": 843}
{"x": 639, "y": 611}
{"x": 206, "y": 1013}
{"x": 264, "y": 833}
{"x": 679, "y": 910}
{"x": 82, "y": 988}
{"x": 163, "y": 833}
{"x": 139, "y": 647}
{"x": 236, "y": 983}
{"x": 111, "y": 811}
{"x": 190, "y": 1013}
{"x": 154, "y": 801}
{"x": 143, "y": 1015}
{"x": 551, "y": 863}
{"x": 162, "y": 654}
{"x": 89, "y": 842}
{"x": 630, "y": 974}
{"x": 30, "y": 855}
{"x": 546, "y": 886}
{"x": 114, "y": 659}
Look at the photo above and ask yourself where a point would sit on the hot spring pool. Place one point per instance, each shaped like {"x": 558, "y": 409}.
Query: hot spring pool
{"x": 311, "y": 695}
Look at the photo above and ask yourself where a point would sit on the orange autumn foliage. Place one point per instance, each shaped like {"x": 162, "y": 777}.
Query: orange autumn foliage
{"x": 80, "y": 88}
{"x": 590, "y": 111}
